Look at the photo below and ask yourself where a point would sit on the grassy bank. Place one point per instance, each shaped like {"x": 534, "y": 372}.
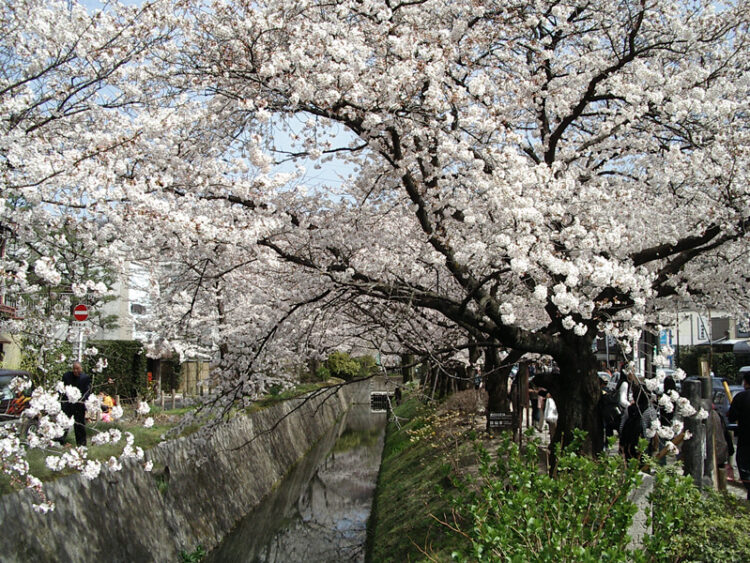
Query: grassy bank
{"x": 145, "y": 438}
{"x": 420, "y": 454}
{"x": 509, "y": 510}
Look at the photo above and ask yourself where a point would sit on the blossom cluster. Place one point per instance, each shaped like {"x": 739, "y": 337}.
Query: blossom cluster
{"x": 51, "y": 423}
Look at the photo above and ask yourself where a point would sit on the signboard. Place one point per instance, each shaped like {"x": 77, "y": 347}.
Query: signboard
{"x": 81, "y": 312}
{"x": 501, "y": 421}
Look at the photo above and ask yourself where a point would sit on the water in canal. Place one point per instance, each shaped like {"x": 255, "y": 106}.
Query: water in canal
{"x": 319, "y": 512}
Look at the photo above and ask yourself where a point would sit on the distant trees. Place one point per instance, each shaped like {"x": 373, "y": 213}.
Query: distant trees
{"x": 343, "y": 366}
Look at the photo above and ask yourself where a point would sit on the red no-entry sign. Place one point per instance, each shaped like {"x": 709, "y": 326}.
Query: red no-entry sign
{"x": 80, "y": 312}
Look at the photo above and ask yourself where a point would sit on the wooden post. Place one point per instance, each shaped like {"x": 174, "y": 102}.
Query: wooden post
{"x": 710, "y": 472}
{"x": 157, "y": 377}
{"x": 721, "y": 479}
{"x": 693, "y": 451}
{"x": 407, "y": 367}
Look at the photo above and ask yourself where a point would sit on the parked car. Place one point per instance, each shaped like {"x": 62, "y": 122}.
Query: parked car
{"x": 717, "y": 383}
{"x": 10, "y": 410}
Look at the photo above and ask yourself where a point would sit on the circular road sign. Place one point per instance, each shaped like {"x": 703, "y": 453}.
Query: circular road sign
{"x": 81, "y": 312}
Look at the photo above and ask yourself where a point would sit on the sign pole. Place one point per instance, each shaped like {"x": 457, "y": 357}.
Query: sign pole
{"x": 80, "y": 343}
{"x": 80, "y": 314}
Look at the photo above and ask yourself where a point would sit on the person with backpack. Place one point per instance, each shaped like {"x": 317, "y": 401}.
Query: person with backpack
{"x": 609, "y": 411}
{"x": 739, "y": 412}
{"x": 636, "y": 421}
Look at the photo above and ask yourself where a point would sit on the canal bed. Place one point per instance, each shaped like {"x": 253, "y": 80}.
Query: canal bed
{"x": 319, "y": 512}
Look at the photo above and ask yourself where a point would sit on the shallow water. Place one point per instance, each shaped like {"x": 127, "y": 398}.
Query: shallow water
{"x": 319, "y": 512}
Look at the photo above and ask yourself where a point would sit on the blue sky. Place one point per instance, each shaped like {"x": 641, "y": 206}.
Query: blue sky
{"x": 331, "y": 173}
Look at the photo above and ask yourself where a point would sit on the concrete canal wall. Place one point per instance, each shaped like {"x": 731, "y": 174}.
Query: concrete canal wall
{"x": 197, "y": 492}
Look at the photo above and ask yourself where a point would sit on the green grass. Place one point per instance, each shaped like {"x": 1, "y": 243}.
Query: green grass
{"x": 145, "y": 438}
{"x": 412, "y": 473}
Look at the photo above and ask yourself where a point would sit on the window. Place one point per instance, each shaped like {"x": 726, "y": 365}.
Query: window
{"x": 137, "y": 309}
{"x": 720, "y": 328}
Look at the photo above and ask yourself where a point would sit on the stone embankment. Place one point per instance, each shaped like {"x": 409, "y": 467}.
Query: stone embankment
{"x": 198, "y": 490}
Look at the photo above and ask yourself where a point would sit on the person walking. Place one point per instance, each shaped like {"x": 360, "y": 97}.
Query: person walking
{"x": 739, "y": 412}
{"x": 76, "y": 409}
{"x": 550, "y": 415}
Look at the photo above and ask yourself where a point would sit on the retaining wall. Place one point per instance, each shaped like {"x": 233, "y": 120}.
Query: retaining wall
{"x": 199, "y": 489}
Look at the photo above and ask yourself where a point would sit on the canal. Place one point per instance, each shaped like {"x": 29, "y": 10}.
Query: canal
{"x": 319, "y": 511}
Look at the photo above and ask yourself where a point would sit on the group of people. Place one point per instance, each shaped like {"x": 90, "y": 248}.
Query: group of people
{"x": 629, "y": 409}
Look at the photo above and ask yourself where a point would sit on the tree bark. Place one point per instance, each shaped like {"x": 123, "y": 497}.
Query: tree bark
{"x": 576, "y": 391}
{"x": 496, "y": 381}
{"x": 407, "y": 367}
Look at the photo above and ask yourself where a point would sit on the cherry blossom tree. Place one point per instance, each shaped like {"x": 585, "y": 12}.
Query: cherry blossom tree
{"x": 525, "y": 174}
{"x": 560, "y": 167}
{"x": 67, "y": 94}
{"x": 70, "y": 88}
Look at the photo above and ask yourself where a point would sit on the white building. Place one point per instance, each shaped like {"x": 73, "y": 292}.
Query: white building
{"x": 696, "y": 328}
{"x": 131, "y": 307}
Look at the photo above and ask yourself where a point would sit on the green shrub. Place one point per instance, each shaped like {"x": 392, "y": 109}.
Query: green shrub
{"x": 54, "y": 369}
{"x": 194, "y": 556}
{"x": 693, "y": 525}
{"x": 723, "y": 364}
{"x": 367, "y": 366}
{"x": 514, "y": 512}
{"x": 126, "y": 368}
{"x": 342, "y": 365}
{"x": 323, "y": 373}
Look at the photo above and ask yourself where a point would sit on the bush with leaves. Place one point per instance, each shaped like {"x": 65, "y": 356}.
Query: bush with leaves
{"x": 124, "y": 374}
{"x": 343, "y": 366}
{"x": 32, "y": 361}
{"x": 694, "y": 525}
{"x": 513, "y": 511}
{"x": 126, "y": 368}
{"x": 723, "y": 364}
{"x": 367, "y": 366}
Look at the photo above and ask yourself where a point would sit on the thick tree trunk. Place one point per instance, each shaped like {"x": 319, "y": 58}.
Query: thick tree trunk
{"x": 576, "y": 391}
{"x": 496, "y": 378}
{"x": 407, "y": 367}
